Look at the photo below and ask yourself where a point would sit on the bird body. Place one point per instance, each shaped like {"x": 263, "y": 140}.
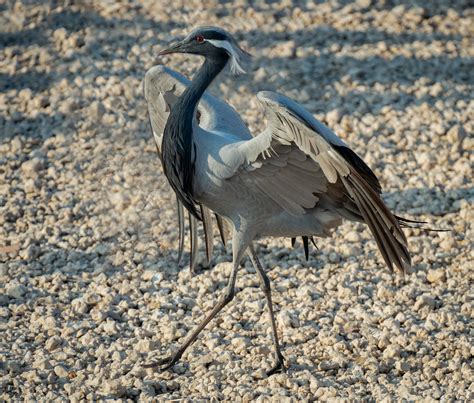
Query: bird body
{"x": 296, "y": 178}
{"x": 162, "y": 88}
{"x": 225, "y": 188}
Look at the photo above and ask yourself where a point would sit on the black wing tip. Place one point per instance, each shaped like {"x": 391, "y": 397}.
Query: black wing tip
{"x": 220, "y": 226}
{"x": 407, "y": 223}
{"x": 193, "y": 245}
{"x": 306, "y": 247}
{"x": 208, "y": 233}
{"x": 359, "y": 164}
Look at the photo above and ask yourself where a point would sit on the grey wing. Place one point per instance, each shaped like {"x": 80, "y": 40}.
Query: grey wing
{"x": 300, "y": 163}
{"x": 162, "y": 87}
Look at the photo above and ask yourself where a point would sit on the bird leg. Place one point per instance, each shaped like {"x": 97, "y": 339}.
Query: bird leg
{"x": 265, "y": 284}
{"x": 229, "y": 293}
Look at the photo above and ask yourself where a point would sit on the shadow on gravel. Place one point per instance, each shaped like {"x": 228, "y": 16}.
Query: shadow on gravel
{"x": 325, "y": 36}
{"x": 42, "y": 126}
{"x": 101, "y": 48}
{"x": 440, "y": 202}
{"x": 329, "y": 68}
{"x": 441, "y": 7}
{"x": 34, "y": 80}
{"x": 374, "y": 101}
{"x": 73, "y": 21}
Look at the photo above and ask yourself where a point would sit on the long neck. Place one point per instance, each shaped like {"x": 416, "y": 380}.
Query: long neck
{"x": 203, "y": 78}
{"x": 178, "y": 146}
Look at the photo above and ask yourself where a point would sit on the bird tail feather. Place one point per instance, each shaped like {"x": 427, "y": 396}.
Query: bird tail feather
{"x": 407, "y": 223}
{"x": 384, "y": 226}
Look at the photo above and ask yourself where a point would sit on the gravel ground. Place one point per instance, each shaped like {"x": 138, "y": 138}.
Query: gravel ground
{"x": 89, "y": 287}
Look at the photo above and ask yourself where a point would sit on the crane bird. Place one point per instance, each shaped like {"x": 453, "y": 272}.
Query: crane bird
{"x": 296, "y": 178}
{"x": 162, "y": 88}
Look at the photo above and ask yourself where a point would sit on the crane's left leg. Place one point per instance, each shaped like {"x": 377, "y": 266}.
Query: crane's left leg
{"x": 265, "y": 284}
{"x": 240, "y": 241}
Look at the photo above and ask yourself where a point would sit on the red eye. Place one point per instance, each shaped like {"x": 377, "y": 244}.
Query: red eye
{"x": 199, "y": 39}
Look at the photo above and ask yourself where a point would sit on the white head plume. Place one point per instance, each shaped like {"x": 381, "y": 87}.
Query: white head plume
{"x": 238, "y": 57}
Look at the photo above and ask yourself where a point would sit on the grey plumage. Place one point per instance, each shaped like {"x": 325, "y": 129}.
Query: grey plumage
{"x": 162, "y": 88}
{"x": 297, "y": 178}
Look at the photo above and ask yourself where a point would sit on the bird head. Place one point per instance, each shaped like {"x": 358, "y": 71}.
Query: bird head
{"x": 212, "y": 42}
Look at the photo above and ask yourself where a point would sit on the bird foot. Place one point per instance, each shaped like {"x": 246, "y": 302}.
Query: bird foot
{"x": 164, "y": 364}
{"x": 279, "y": 367}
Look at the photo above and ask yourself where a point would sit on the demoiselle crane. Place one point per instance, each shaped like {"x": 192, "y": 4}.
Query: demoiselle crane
{"x": 296, "y": 178}
{"x": 162, "y": 88}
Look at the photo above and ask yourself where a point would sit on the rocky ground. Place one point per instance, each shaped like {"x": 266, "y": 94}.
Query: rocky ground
{"x": 89, "y": 287}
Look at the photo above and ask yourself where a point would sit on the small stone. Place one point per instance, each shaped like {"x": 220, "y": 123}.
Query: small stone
{"x": 456, "y": 134}
{"x": 119, "y": 200}
{"x": 30, "y": 185}
{"x": 205, "y": 360}
{"x": 260, "y": 74}
{"x": 25, "y": 94}
{"x": 13, "y": 366}
{"x": 60, "y": 34}
{"x": 96, "y": 111}
{"x": 334, "y": 257}
{"x": 53, "y": 343}
{"x": 30, "y": 253}
{"x": 364, "y": 3}
{"x": 50, "y": 323}
{"x": 31, "y": 168}
{"x": 391, "y": 351}
{"x": 42, "y": 364}
{"x": 118, "y": 356}
{"x": 287, "y": 319}
{"x": 92, "y": 298}
{"x": 60, "y": 371}
{"x": 240, "y": 344}
{"x": 109, "y": 119}
{"x": 328, "y": 365}
{"x": 353, "y": 236}
{"x": 384, "y": 293}
{"x": 98, "y": 315}
{"x": 3, "y": 270}
{"x": 110, "y": 327}
{"x": 436, "y": 275}
{"x": 431, "y": 325}
{"x": 145, "y": 346}
{"x": 424, "y": 301}
{"x": 16, "y": 290}
{"x": 402, "y": 366}
{"x": 263, "y": 349}
{"x": 79, "y": 306}
{"x": 16, "y": 145}
{"x": 448, "y": 244}
{"x": 333, "y": 117}
{"x": 114, "y": 387}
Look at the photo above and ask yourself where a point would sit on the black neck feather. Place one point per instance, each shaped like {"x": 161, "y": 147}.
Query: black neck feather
{"x": 178, "y": 149}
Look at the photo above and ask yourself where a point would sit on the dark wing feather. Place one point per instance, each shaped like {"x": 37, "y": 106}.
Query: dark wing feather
{"x": 342, "y": 181}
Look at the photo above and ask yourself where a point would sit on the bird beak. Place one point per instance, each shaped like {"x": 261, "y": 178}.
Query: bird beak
{"x": 174, "y": 48}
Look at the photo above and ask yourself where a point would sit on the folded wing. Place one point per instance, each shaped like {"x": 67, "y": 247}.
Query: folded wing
{"x": 162, "y": 87}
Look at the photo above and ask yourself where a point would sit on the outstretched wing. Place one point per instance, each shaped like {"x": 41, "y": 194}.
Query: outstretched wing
{"x": 300, "y": 163}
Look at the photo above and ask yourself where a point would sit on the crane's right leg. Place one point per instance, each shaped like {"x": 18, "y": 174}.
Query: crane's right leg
{"x": 265, "y": 284}
{"x": 239, "y": 245}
